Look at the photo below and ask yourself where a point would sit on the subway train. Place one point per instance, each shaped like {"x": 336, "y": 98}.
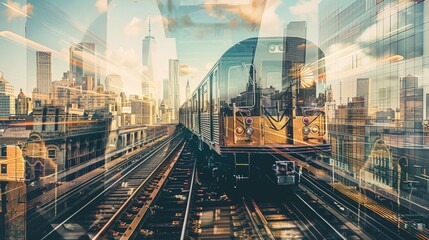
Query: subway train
{"x": 263, "y": 99}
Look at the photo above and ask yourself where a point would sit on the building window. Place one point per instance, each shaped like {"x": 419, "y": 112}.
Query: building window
{"x": 4, "y": 169}
{"x": 51, "y": 154}
{"x": 3, "y": 151}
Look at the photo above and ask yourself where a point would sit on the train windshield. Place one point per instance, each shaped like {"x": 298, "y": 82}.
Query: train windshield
{"x": 241, "y": 85}
{"x": 277, "y": 83}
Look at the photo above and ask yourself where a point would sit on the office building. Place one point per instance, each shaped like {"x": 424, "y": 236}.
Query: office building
{"x": 375, "y": 52}
{"x": 44, "y": 72}
{"x": 174, "y": 88}
{"x": 83, "y": 62}
{"x": 7, "y": 98}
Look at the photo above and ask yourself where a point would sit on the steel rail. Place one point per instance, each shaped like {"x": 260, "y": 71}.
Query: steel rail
{"x": 263, "y": 220}
{"x": 252, "y": 220}
{"x": 322, "y": 218}
{"x": 48, "y": 206}
{"x": 107, "y": 189}
{"x": 125, "y": 205}
{"x": 188, "y": 204}
{"x": 137, "y": 221}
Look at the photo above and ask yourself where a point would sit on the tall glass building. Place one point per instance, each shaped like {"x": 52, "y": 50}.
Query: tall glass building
{"x": 377, "y": 69}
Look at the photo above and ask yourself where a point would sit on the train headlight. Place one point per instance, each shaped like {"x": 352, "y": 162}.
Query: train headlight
{"x": 305, "y": 130}
{"x": 249, "y": 120}
{"x": 271, "y": 48}
{"x": 249, "y": 131}
{"x": 239, "y": 130}
{"x": 306, "y": 120}
{"x": 315, "y": 129}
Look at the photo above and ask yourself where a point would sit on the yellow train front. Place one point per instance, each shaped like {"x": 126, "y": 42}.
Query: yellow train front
{"x": 261, "y": 102}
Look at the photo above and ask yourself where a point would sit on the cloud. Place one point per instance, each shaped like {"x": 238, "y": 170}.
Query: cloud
{"x": 124, "y": 58}
{"x": 249, "y": 12}
{"x": 186, "y": 70}
{"x": 14, "y": 10}
{"x": 101, "y": 5}
{"x": 305, "y": 9}
{"x": 272, "y": 24}
{"x": 134, "y": 27}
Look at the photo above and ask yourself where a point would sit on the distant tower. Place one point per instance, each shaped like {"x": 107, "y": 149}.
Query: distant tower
{"x": 174, "y": 87}
{"x": 44, "y": 72}
{"x": 82, "y": 62}
{"x": 149, "y": 62}
{"x": 188, "y": 90}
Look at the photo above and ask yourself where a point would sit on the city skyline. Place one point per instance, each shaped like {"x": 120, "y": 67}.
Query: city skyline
{"x": 80, "y": 26}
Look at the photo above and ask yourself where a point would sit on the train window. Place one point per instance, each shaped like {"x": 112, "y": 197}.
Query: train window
{"x": 3, "y": 151}
{"x": 271, "y": 76}
{"x": 195, "y": 104}
{"x": 240, "y": 85}
{"x": 214, "y": 88}
{"x": 205, "y": 98}
{"x": 4, "y": 169}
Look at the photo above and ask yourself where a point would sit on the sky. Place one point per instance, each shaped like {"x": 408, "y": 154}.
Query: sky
{"x": 118, "y": 28}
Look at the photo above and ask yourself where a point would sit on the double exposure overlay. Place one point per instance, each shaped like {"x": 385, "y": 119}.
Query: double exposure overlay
{"x": 328, "y": 95}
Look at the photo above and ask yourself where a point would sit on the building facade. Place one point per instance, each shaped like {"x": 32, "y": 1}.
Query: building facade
{"x": 82, "y": 62}
{"x": 7, "y": 98}
{"x": 174, "y": 88}
{"x": 44, "y": 72}
{"x": 24, "y": 105}
{"x": 375, "y": 61}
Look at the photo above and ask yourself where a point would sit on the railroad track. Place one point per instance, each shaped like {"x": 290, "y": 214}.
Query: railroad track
{"x": 216, "y": 215}
{"x": 378, "y": 226}
{"x": 292, "y": 218}
{"x": 176, "y": 170}
{"x": 95, "y": 213}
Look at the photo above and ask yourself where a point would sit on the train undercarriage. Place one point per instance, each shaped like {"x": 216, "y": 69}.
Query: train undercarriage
{"x": 239, "y": 165}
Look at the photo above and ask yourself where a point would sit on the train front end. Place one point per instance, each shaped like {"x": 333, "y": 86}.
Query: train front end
{"x": 274, "y": 108}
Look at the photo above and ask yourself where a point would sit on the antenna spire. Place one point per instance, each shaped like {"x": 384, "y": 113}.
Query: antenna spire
{"x": 149, "y": 27}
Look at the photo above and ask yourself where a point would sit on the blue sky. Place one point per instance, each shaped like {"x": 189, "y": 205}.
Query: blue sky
{"x": 118, "y": 28}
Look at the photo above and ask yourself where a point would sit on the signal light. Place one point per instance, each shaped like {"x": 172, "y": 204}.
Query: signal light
{"x": 249, "y": 131}
{"x": 249, "y": 120}
{"x": 239, "y": 130}
{"x": 306, "y": 120}
{"x": 315, "y": 129}
{"x": 305, "y": 130}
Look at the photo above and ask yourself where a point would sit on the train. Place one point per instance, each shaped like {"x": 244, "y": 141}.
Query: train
{"x": 264, "y": 98}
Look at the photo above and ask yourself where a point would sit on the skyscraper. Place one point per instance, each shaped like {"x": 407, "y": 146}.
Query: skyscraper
{"x": 188, "y": 91}
{"x": 7, "y": 98}
{"x": 174, "y": 79}
{"x": 379, "y": 48}
{"x": 44, "y": 72}
{"x": 166, "y": 92}
{"x": 82, "y": 62}
{"x": 149, "y": 64}
{"x": 363, "y": 89}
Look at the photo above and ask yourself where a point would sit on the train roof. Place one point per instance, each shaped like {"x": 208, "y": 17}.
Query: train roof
{"x": 241, "y": 49}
